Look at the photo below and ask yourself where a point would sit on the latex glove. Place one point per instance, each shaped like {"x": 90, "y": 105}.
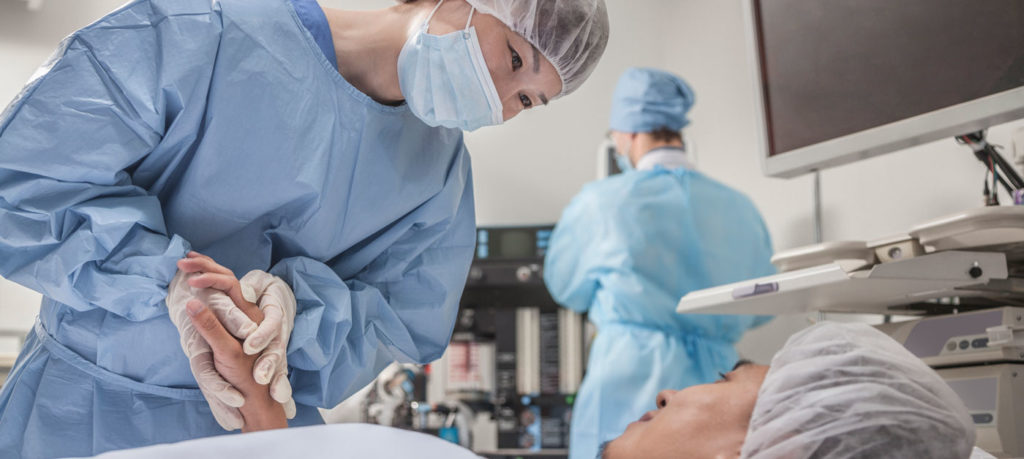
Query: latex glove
{"x": 275, "y": 298}
{"x": 223, "y": 398}
{"x": 276, "y": 317}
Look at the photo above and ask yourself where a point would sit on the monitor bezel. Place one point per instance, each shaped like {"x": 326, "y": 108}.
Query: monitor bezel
{"x": 948, "y": 122}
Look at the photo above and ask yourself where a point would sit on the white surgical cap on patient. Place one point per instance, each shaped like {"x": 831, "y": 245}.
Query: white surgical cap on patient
{"x": 571, "y": 34}
{"x": 843, "y": 391}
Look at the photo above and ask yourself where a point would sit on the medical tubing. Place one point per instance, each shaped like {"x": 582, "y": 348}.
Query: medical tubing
{"x": 987, "y": 154}
{"x": 1008, "y": 170}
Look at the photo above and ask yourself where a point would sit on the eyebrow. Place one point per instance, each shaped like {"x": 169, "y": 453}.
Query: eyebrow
{"x": 741, "y": 363}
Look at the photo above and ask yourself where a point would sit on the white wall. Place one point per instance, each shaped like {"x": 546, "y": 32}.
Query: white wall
{"x": 527, "y": 171}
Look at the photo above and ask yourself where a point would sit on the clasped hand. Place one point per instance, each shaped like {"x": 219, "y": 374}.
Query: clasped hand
{"x": 259, "y": 311}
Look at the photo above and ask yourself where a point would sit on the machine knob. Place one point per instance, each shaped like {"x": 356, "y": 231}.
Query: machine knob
{"x": 975, "y": 271}
{"x": 524, "y": 273}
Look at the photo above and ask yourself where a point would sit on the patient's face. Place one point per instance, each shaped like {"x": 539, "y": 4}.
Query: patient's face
{"x": 708, "y": 421}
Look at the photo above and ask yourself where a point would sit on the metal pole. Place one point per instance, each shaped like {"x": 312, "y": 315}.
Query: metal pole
{"x": 819, "y": 234}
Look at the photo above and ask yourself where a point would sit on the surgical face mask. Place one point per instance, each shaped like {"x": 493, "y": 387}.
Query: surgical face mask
{"x": 445, "y": 81}
{"x": 623, "y": 162}
{"x": 622, "y": 158}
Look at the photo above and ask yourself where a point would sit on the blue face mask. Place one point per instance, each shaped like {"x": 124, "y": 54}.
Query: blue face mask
{"x": 623, "y": 162}
{"x": 445, "y": 81}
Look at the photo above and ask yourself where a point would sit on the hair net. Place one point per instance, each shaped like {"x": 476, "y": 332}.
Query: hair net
{"x": 571, "y": 34}
{"x": 843, "y": 391}
{"x": 647, "y": 100}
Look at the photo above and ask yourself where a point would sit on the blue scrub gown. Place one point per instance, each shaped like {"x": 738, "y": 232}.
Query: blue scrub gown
{"x": 219, "y": 126}
{"x": 626, "y": 249}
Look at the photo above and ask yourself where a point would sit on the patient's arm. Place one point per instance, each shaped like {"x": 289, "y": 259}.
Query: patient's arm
{"x": 261, "y": 412}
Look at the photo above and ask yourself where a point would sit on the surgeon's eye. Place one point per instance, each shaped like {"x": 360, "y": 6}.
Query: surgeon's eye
{"x": 527, "y": 103}
{"x": 517, "y": 62}
{"x": 723, "y": 376}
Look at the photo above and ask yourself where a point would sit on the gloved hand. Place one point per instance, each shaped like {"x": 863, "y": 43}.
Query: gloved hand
{"x": 223, "y": 398}
{"x": 275, "y": 298}
{"x": 276, "y": 304}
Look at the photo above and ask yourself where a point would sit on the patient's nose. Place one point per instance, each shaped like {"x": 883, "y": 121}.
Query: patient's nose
{"x": 663, "y": 397}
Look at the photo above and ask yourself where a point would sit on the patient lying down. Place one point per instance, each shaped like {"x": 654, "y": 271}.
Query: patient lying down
{"x": 834, "y": 391}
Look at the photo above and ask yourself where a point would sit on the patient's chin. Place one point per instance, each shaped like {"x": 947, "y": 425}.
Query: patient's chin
{"x": 734, "y": 450}
{"x": 733, "y": 455}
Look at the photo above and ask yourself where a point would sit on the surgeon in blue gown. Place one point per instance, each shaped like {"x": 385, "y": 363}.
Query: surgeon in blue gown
{"x": 321, "y": 146}
{"x": 628, "y": 247}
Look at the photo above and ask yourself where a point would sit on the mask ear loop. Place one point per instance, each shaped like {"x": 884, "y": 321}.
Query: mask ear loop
{"x": 465, "y": 32}
{"x": 426, "y": 23}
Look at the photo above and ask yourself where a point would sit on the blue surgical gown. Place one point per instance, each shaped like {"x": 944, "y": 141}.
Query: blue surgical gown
{"x": 626, "y": 249}
{"x": 218, "y": 126}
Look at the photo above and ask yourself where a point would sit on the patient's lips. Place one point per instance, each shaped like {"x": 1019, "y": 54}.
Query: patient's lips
{"x": 646, "y": 417}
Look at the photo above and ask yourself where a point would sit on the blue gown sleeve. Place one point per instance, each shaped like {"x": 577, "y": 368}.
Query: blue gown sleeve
{"x": 576, "y": 257}
{"x": 73, "y": 225}
{"x": 402, "y": 306}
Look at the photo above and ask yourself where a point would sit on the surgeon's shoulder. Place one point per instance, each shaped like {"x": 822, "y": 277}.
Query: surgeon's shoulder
{"x": 600, "y": 201}
{"x": 153, "y": 12}
{"x": 142, "y": 29}
{"x": 722, "y": 194}
{"x": 264, "y": 15}
{"x": 609, "y": 190}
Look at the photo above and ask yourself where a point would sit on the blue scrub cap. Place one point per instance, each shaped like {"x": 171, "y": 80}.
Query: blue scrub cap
{"x": 647, "y": 100}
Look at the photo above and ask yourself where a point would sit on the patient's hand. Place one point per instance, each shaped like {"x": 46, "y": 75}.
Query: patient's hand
{"x": 271, "y": 314}
{"x": 260, "y": 411}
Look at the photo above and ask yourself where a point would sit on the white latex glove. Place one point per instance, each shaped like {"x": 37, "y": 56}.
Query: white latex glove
{"x": 275, "y": 298}
{"x": 223, "y": 398}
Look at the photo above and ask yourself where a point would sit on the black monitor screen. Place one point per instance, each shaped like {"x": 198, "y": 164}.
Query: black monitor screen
{"x": 836, "y": 67}
{"x": 511, "y": 243}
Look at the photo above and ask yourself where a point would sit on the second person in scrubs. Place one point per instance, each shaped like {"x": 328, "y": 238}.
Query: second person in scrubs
{"x": 628, "y": 247}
